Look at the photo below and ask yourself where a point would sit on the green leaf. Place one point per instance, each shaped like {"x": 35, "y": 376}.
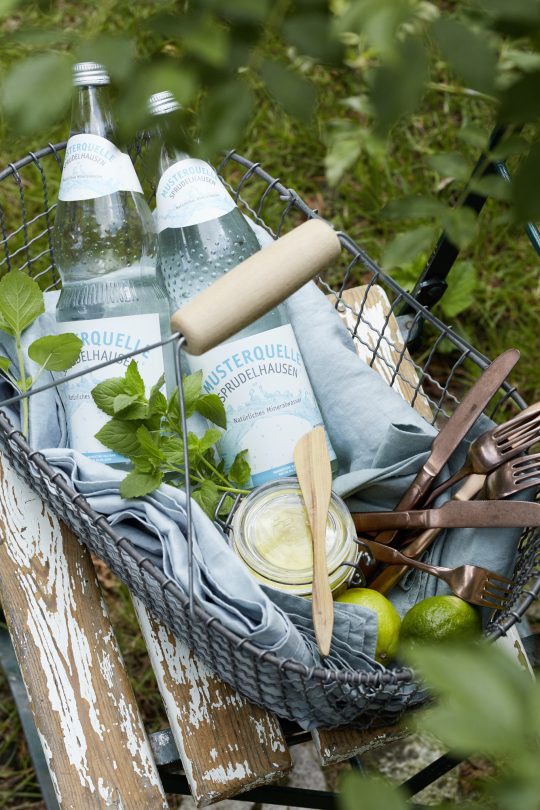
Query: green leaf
{"x": 194, "y": 443}
{"x": 5, "y": 363}
{"x": 239, "y": 11}
{"x": 173, "y": 447}
{"x": 517, "y": 19}
{"x": 136, "y": 484}
{"x": 311, "y": 34}
{"x": 520, "y": 102}
{"x": 134, "y": 381}
{"x": 7, "y": 7}
{"x": 120, "y": 436}
{"x": 21, "y": 302}
{"x": 462, "y": 288}
{"x": 208, "y": 41}
{"x": 191, "y": 387}
{"x": 150, "y": 444}
{"x": 480, "y": 682}
{"x": 461, "y": 225}
{"x": 128, "y": 406}
{"x": 27, "y": 96}
{"x": 117, "y": 53}
{"x": 131, "y": 110}
{"x": 492, "y": 186}
{"x": 157, "y": 404}
{"x": 374, "y": 794}
{"x": 56, "y": 352}
{"x": 207, "y": 496}
{"x": 450, "y": 164}
{"x": 295, "y": 94}
{"x": 474, "y": 136}
{"x": 240, "y": 471}
{"x": 398, "y": 85}
{"x": 470, "y": 54}
{"x": 418, "y": 207}
{"x": 105, "y": 393}
{"x": 526, "y": 187}
{"x": 408, "y": 245}
{"x": 224, "y": 113}
{"x": 209, "y": 439}
{"x": 211, "y": 407}
{"x": 342, "y": 153}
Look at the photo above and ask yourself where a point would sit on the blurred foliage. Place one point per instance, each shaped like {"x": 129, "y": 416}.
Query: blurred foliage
{"x": 485, "y": 703}
{"x": 217, "y": 55}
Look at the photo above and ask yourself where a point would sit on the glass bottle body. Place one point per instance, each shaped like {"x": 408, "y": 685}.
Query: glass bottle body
{"x": 258, "y": 373}
{"x": 105, "y": 250}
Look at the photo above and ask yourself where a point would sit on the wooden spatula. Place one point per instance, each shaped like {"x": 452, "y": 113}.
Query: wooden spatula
{"x": 315, "y": 478}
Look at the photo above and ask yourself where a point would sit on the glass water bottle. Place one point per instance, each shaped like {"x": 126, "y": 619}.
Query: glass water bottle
{"x": 105, "y": 251}
{"x": 259, "y": 373}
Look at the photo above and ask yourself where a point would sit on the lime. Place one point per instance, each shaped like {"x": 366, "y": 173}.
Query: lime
{"x": 440, "y": 618}
{"x": 388, "y": 619}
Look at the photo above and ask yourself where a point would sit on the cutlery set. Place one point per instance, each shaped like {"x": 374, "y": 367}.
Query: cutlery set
{"x": 495, "y": 469}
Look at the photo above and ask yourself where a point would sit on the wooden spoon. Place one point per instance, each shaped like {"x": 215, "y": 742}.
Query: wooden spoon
{"x": 312, "y": 464}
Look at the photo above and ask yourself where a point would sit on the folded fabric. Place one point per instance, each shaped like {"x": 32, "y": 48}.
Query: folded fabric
{"x": 380, "y": 443}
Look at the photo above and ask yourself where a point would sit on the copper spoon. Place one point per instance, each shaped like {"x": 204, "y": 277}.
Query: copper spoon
{"x": 312, "y": 464}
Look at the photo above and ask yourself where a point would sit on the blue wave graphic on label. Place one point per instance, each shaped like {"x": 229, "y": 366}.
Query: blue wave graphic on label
{"x": 268, "y": 399}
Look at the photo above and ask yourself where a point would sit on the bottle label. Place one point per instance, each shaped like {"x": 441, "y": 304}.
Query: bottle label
{"x": 104, "y": 339}
{"x": 190, "y": 192}
{"x": 268, "y": 399}
{"x": 95, "y": 167}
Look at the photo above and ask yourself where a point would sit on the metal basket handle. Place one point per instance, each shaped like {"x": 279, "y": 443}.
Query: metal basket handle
{"x": 255, "y": 286}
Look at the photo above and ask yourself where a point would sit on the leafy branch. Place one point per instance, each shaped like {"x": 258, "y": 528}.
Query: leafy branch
{"x": 21, "y": 302}
{"x": 148, "y": 432}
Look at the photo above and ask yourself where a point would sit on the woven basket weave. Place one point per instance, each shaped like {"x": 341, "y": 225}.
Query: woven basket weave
{"x": 283, "y": 686}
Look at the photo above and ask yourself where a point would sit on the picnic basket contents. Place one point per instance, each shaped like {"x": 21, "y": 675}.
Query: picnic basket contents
{"x": 232, "y": 573}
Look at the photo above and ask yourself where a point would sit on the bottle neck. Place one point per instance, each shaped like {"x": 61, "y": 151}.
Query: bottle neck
{"x": 170, "y": 153}
{"x": 91, "y": 112}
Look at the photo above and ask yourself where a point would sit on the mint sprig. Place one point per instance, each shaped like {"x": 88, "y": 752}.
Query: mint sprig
{"x": 21, "y": 302}
{"x": 147, "y": 431}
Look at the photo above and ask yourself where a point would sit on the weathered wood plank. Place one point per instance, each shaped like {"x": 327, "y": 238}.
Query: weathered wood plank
{"x": 338, "y": 745}
{"x": 227, "y": 745}
{"x": 377, "y": 331}
{"x": 94, "y": 741}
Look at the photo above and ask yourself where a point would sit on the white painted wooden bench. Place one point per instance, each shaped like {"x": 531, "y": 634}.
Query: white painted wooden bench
{"x": 93, "y": 737}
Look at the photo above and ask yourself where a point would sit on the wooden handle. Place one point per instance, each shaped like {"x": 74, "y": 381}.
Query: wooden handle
{"x": 256, "y": 285}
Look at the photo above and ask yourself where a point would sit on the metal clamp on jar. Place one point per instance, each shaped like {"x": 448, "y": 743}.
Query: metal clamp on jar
{"x": 271, "y": 534}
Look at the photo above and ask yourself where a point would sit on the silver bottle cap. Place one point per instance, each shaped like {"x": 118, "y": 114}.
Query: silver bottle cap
{"x": 85, "y": 73}
{"x": 162, "y": 103}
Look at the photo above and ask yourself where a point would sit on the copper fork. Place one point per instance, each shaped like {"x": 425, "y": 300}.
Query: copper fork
{"x": 475, "y": 584}
{"x": 495, "y": 446}
{"x": 510, "y": 478}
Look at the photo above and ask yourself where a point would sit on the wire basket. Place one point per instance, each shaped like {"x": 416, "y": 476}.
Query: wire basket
{"x": 282, "y": 685}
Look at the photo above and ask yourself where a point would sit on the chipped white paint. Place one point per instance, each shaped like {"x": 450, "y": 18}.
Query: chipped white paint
{"x": 84, "y": 707}
{"x": 267, "y": 735}
{"x": 223, "y": 775}
{"x": 512, "y": 644}
{"x": 226, "y": 744}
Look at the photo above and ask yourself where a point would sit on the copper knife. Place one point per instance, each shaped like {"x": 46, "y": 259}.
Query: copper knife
{"x": 454, "y": 514}
{"x": 451, "y": 434}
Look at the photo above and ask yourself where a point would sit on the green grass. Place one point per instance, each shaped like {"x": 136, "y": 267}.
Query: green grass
{"x": 505, "y": 311}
